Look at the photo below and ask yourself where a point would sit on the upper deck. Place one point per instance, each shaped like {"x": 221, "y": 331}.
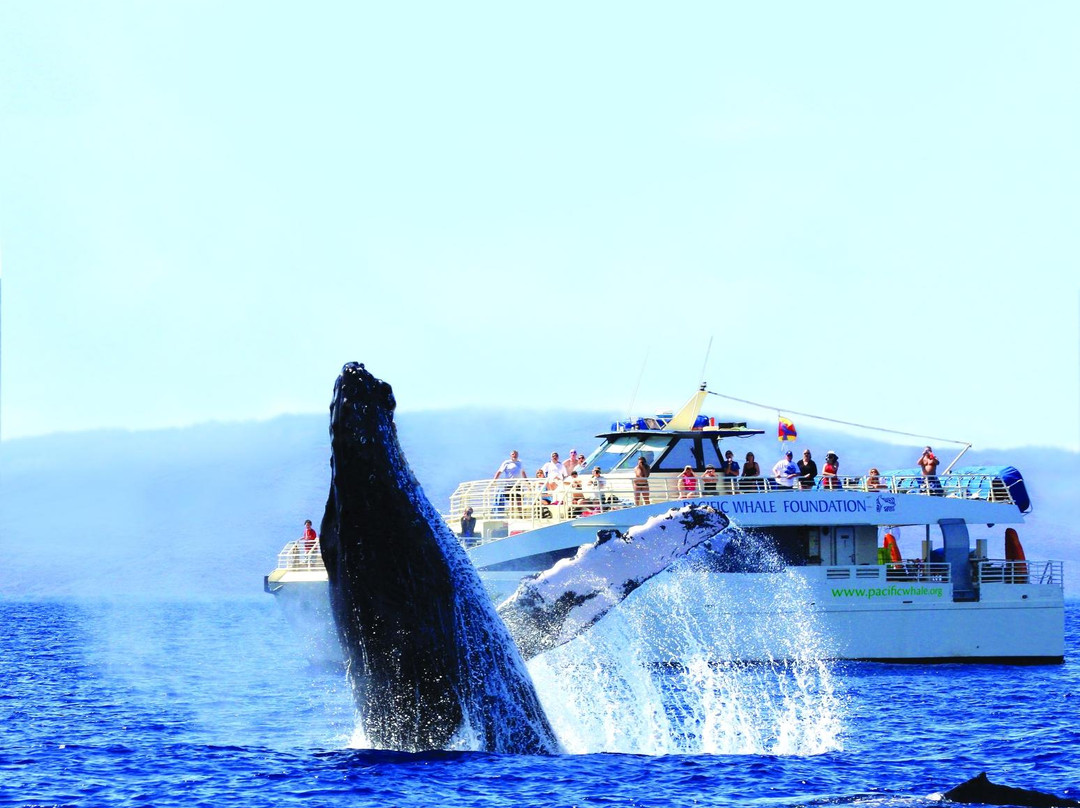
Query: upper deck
{"x": 502, "y": 506}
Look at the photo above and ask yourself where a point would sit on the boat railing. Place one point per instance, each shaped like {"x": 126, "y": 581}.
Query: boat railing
{"x": 294, "y": 556}
{"x": 1000, "y": 571}
{"x": 533, "y": 499}
{"x": 909, "y": 571}
{"x": 916, "y": 570}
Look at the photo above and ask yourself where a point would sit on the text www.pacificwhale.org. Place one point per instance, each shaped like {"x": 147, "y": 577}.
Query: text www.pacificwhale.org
{"x": 889, "y": 592}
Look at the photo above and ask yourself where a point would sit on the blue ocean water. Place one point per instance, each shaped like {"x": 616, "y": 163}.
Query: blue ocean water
{"x": 161, "y": 703}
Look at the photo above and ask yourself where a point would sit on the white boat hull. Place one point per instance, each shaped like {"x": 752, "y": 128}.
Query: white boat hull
{"x": 752, "y": 617}
{"x": 766, "y": 616}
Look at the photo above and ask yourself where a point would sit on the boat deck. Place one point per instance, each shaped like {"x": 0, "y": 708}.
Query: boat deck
{"x": 294, "y": 559}
{"x": 529, "y": 500}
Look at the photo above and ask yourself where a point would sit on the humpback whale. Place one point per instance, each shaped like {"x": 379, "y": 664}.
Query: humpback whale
{"x": 430, "y": 663}
{"x": 552, "y": 607}
{"x": 981, "y": 790}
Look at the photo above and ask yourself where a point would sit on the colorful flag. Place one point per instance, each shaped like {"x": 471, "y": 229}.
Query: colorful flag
{"x": 785, "y": 430}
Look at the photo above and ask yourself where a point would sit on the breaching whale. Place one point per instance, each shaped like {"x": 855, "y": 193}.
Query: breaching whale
{"x": 553, "y": 607}
{"x": 981, "y": 790}
{"x": 430, "y": 663}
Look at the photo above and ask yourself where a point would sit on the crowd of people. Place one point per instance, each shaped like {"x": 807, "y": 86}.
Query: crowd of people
{"x": 562, "y": 482}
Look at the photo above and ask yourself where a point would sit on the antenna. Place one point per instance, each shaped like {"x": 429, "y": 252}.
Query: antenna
{"x": 705, "y": 364}
{"x": 633, "y": 397}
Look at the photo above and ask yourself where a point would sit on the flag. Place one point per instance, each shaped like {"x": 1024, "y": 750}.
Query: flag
{"x": 785, "y": 430}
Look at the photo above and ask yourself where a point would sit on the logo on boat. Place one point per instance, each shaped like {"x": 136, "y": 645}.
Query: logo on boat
{"x": 888, "y": 592}
{"x": 800, "y": 504}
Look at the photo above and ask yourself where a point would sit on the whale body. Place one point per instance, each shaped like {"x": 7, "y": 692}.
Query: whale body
{"x": 430, "y": 663}
{"x": 554, "y": 606}
{"x": 981, "y": 790}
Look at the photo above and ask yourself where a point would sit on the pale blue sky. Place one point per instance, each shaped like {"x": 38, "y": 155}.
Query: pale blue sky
{"x": 207, "y": 208}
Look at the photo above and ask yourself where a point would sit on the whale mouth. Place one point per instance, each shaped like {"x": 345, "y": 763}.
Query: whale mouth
{"x": 356, "y": 386}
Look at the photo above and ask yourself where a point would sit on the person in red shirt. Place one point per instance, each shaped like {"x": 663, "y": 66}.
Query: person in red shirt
{"x": 309, "y": 538}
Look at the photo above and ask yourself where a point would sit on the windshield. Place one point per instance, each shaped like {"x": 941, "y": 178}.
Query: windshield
{"x": 621, "y": 454}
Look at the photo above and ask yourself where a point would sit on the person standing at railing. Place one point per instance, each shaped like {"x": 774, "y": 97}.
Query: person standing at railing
{"x": 510, "y": 470}
{"x": 873, "y": 481}
{"x": 553, "y": 469}
{"x": 708, "y": 480}
{"x": 928, "y": 462}
{"x": 730, "y": 466}
{"x": 307, "y": 541}
{"x": 807, "y": 470}
{"x": 641, "y": 482}
{"x": 596, "y": 484}
{"x": 687, "y": 483}
{"x": 785, "y": 472}
{"x": 574, "y": 462}
{"x": 751, "y": 472}
{"x": 830, "y": 475}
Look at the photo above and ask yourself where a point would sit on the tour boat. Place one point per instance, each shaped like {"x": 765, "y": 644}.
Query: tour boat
{"x": 969, "y": 594}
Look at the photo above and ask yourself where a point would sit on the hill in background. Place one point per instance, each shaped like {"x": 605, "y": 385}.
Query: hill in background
{"x": 203, "y": 511}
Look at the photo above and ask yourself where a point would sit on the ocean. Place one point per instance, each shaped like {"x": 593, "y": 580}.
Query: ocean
{"x": 144, "y": 702}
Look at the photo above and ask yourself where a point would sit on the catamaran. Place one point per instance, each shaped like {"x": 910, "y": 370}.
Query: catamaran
{"x": 967, "y": 594}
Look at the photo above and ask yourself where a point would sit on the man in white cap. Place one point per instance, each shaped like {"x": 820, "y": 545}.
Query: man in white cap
{"x": 785, "y": 471}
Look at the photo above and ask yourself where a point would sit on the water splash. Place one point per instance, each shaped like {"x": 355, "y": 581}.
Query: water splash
{"x": 699, "y": 662}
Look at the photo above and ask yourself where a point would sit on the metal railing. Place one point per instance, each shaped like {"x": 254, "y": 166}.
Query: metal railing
{"x": 993, "y": 571}
{"x": 535, "y": 498}
{"x": 916, "y": 570}
{"x": 294, "y": 557}
{"x": 893, "y": 571}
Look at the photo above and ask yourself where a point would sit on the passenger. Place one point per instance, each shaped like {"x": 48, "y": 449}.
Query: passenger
{"x": 307, "y": 541}
{"x": 807, "y": 470}
{"x": 553, "y": 469}
{"x": 730, "y": 466}
{"x": 510, "y": 470}
{"x": 596, "y": 484}
{"x": 641, "y": 482}
{"x": 751, "y": 473}
{"x": 873, "y": 480}
{"x": 928, "y": 462}
{"x": 574, "y": 462}
{"x": 687, "y": 483}
{"x": 576, "y": 498}
{"x": 708, "y": 479}
{"x": 830, "y": 474}
{"x": 468, "y": 524}
{"x": 785, "y": 472}
{"x": 544, "y": 487}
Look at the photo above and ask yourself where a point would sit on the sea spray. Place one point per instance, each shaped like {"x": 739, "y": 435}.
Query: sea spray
{"x": 698, "y": 661}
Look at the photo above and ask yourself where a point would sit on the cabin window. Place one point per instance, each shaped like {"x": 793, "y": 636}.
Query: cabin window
{"x": 711, "y": 454}
{"x": 650, "y": 449}
{"x": 614, "y": 454}
{"x": 683, "y": 453}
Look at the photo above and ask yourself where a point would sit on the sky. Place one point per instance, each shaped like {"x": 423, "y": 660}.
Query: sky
{"x": 863, "y": 211}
